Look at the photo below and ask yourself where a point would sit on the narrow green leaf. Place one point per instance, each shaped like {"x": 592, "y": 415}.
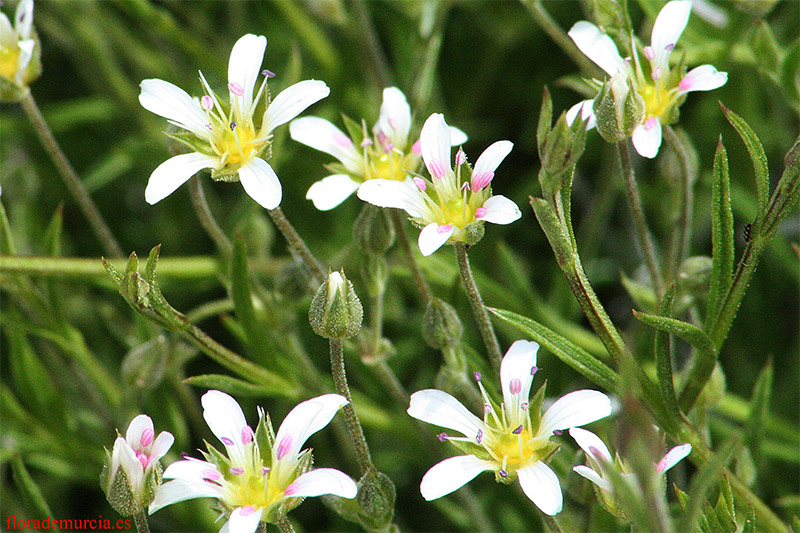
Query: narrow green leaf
{"x": 757, "y": 155}
{"x": 759, "y": 408}
{"x": 545, "y": 119}
{"x": 725, "y": 510}
{"x": 31, "y": 493}
{"x": 571, "y": 354}
{"x": 765, "y": 47}
{"x": 790, "y": 72}
{"x": 662, "y": 349}
{"x": 722, "y": 235}
{"x": 257, "y": 340}
{"x": 32, "y": 381}
{"x": 237, "y": 387}
{"x": 152, "y": 263}
{"x": 6, "y": 240}
{"x": 750, "y": 523}
{"x": 641, "y": 294}
{"x": 52, "y": 236}
{"x": 710, "y": 516}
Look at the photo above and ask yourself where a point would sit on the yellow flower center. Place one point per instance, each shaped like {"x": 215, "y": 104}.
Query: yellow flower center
{"x": 237, "y": 145}
{"x": 9, "y": 60}
{"x": 515, "y": 451}
{"x": 657, "y": 100}
{"x": 387, "y": 166}
{"x": 457, "y": 212}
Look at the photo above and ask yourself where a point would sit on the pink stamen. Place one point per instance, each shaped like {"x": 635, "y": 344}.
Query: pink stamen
{"x": 465, "y": 187}
{"x": 444, "y": 228}
{"x": 264, "y": 470}
{"x": 534, "y": 370}
{"x": 436, "y": 168}
{"x": 479, "y": 436}
{"x": 144, "y": 459}
{"x": 268, "y": 73}
{"x": 284, "y": 446}
{"x": 461, "y": 157}
{"x": 291, "y": 489}
{"x": 670, "y": 47}
{"x": 558, "y": 431}
{"x": 247, "y": 435}
{"x": 366, "y": 142}
{"x": 442, "y": 437}
{"x": 211, "y": 474}
{"x": 392, "y": 124}
{"x": 226, "y": 441}
{"x": 388, "y": 147}
{"x": 596, "y": 453}
{"x": 662, "y": 466}
{"x": 235, "y": 88}
{"x": 247, "y": 511}
{"x": 207, "y": 102}
{"x": 236, "y": 470}
{"x": 649, "y": 53}
{"x": 477, "y": 376}
{"x": 420, "y": 183}
{"x": 650, "y": 123}
{"x": 515, "y": 387}
{"x": 656, "y": 73}
{"x": 524, "y": 406}
{"x": 147, "y": 437}
{"x": 233, "y": 126}
{"x": 481, "y": 180}
{"x": 480, "y": 212}
{"x": 342, "y": 139}
{"x": 487, "y": 408}
{"x": 416, "y": 148}
{"x": 210, "y": 127}
{"x": 503, "y": 473}
{"x": 518, "y": 430}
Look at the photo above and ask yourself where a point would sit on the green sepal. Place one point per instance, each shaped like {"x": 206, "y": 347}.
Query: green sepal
{"x": 265, "y": 438}
{"x": 789, "y": 73}
{"x": 535, "y": 408}
{"x": 373, "y": 506}
{"x": 440, "y": 324}
{"x": 192, "y": 141}
{"x": 254, "y": 326}
{"x": 357, "y": 131}
{"x": 10, "y": 91}
{"x": 765, "y": 47}
{"x": 642, "y": 295}
{"x": 52, "y": 237}
{"x": 759, "y": 410}
{"x": 276, "y": 386}
{"x": 212, "y": 455}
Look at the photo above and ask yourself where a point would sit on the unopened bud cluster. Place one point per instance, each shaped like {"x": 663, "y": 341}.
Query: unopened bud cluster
{"x": 336, "y": 311}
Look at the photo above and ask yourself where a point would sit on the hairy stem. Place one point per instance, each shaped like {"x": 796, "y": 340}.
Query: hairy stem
{"x": 297, "y": 244}
{"x": 284, "y": 525}
{"x": 140, "y": 519}
{"x": 683, "y": 229}
{"x": 402, "y": 236}
{"x": 207, "y": 219}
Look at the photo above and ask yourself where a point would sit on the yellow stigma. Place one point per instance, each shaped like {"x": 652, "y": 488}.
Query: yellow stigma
{"x": 387, "y": 166}
{"x": 457, "y": 212}
{"x": 9, "y": 61}
{"x": 657, "y": 100}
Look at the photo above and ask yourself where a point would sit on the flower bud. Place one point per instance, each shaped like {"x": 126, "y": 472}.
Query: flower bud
{"x": 441, "y": 326}
{"x": 373, "y": 507}
{"x": 374, "y": 273}
{"x": 373, "y": 230}
{"x": 618, "y": 108}
{"x": 336, "y": 311}
{"x": 694, "y": 275}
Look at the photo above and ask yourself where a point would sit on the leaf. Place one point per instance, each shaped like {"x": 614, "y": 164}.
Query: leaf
{"x": 52, "y": 236}
{"x": 765, "y": 47}
{"x": 31, "y": 493}
{"x": 545, "y": 120}
{"x": 240, "y": 388}
{"x": 759, "y": 409}
{"x": 790, "y": 72}
{"x": 757, "y": 155}
{"x": 6, "y": 240}
{"x": 571, "y": 354}
{"x": 32, "y": 381}
{"x": 641, "y": 294}
{"x": 722, "y": 235}
{"x": 662, "y": 350}
{"x": 257, "y": 340}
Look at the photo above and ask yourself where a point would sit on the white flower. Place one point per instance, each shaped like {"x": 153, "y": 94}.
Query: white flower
{"x": 662, "y": 89}
{"x": 456, "y": 201}
{"x": 264, "y": 475}
{"x": 232, "y": 140}
{"x": 137, "y": 455}
{"x": 18, "y": 45}
{"x": 512, "y": 440}
{"x": 386, "y": 155}
{"x": 600, "y": 458}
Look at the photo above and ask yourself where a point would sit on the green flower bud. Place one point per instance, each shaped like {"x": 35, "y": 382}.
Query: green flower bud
{"x": 373, "y": 230}
{"x": 559, "y": 148}
{"x": 375, "y": 273}
{"x": 373, "y": 507}
{"x": 441, "y": 326}
{"x": 293, "y": 280}
{"x": 618, "y": 108}
{"x": 336, "y": 311}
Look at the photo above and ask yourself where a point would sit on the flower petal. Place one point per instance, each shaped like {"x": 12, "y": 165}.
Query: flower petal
{"x": 136, "y": 428}
{"x": 541, "y": 486}
{"x": 304, "y": 420}
{"x": 173, "y": 173}
{"x": 440, "y": 409}
{"x": 575, "y": 409}
{"x": 451, "y": 474}
{"x": 673, "y": 457}
{"x": 667, "y": 29}
{"x": 598, "y": 47}
{"x": 190, "y": 470}
{"x": 592, "y": 476}
{"x": 291, "y": 102}
{"x": 702, "y": 78}
{"x": 261, "y": 183}
{"x": 245, "y": 519}
{"x": 491, "y": 158}
{"x": 586, "y": 108}
{"x": 518, "y": 365}
{"x": 324, "y": 481}
{"x": 391, "y": 193}
{"x": 591, "y": 443}
{"x": 23, "y": 19}
{"x": 126, "y": 459}
{"x": 433, "y": 236}
{"x": 457, "y": 136}
{"x": 226, "y": 420}
{"x": 647, "y": 138}
{"x": 26, "y": 48}
{"x": 500, "y": 210}
{"x": 178, "y": 490}
{"x": 244, "y": 67}
{"x": 395, "y": 117}
{"x": 435, "y": 145}
{"x": 321, "y": 135}
{"x": 161, "y": 445}
{"x": 173, "y": 103}
{"x": 329, "y": 192}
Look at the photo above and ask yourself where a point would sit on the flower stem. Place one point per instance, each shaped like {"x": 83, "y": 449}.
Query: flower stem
{"x": 71, "y": 181}
{"x": 297, "y": 244}
{"x": 402, "y": 236}
{"x": 351, "y": 418}
{"x": 284, "y": 526}
{"x": 683, "y": 230}
{"x": 374, "y": 52}
{"x": 140, "y": 519}
{"x": 550, "y": 522}
{"x": 478, "y": 309}
{"x": 207, "y": 219}
{"x": 635, "y": 203}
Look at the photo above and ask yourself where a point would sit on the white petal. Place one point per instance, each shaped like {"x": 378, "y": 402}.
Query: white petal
{"x": 518, "y": 364}
{"x": 597, "y": 46}
{"x": 673, "y": 457}
{"x": 23, "y": 18}
{"x": 647, "y": 141}
{"x": 190, "y": 470}
{"x": 136, "y": 428}
{"x": 451, "y": 474}
{"x": 127, "y": 460}
{"x": 575, "y": 409}
{"x": 321, "y": 135}
{"x": 226, "y": 420}
{"x": 435, "y": 145}
{"x": 541, "y": 486}
{"x": 178, "y": 490}
{"x": 395, "y": 117}
{"x": 292, "y": 101}
{"x": 457, "y": 136}
{"x": 244, "y": 519}
{"x": 173, "y": 173}
{"x": 324, "y": 481}
{"x": 587, "y": 112}
{"x": 304, "y": 420}
{"x": 589, "y": 441}
{"x": 261, "y": 183}
{"x": 500, "y": 210}
{"x": 491, "y": 158}
{"x": 710, "y": 13}
{"x": 329, "y": 192}
{"x": 440, "y": 409}
{"x": 702, "y": 78}
{"x": 244, "y": 67}
{"x": 25, "y": 54}
{"x": 592, "y": 476}
{"x": 391, "y": 193}
{"x": 667, "y": 29}
{"x": 173, "y": 103}
{"x": 161, "y": 445}
{"x": 433, "y": 236}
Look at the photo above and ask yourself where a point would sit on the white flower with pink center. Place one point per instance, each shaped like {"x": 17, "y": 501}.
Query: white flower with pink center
{"x": 137, "y": 455}
{"x": 233, "y": 140}
{"x": 455, "y": 202}
{"x": 662, "y": 89}
{"x": 264, "y": 475}
{"x": 386, "y": 154}
{"x": 513, "y": 438}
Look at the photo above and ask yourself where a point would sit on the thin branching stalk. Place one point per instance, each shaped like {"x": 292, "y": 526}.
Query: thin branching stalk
{"x": 402, "y": 236}
{"x": 284, "y": 526}
{"x": 550, "y": 522}
{"x": 683, "y": 229}
{"x": 140, "y": 519}
{"x": 206, "y": 217}
{"x": 374, "y": 52}
{"x": 297, "y": 244}
{"x": 70, "y": 177}
{"x": 478, "y": 309}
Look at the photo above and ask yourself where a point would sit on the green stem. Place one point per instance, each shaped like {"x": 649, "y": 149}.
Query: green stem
{"x": 402, "y": 236}
{"x": 284, "y": 525}
{"x": 351, "y": 418}
{"x": 683, "y": 230}
{"x": 551, "y": 523}
{"x": 478, "y": 309}
{"x": 207, "y": 219}
{"x": 297, "y": 244}
{"x": 140, "y": 519}
{"x": 70, "y": 177}
{"x": 374, "y": 52}
{"x": 635, "y": 203}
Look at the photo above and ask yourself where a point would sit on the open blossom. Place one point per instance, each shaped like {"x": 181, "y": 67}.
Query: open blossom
{"x": 135, "y": 458}
{"x": 660, "y": 88}
{"x": 456, "y": 201}
{"x": 264, "y": 475}
{"x": 233, "y": 140}
{"x": 387, "y": 154}
{"x": 513, "y": 439}
{"x": 19, "y": 49}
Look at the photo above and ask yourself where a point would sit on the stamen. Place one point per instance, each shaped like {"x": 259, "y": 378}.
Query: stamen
{"x": 656, "y": 74}
{"x": 481, "y": 180}
{"x": 233, "y": 126}
{"x": 534, "y": 370}
{"x": 226, "y": 441}
{"x": 211, "y": 474}
{"x": 442, "y": 437}
{"x": 420, "y": 183}
{"x": 503, "y": 474}
{"x": 235, "y": 88}
{"x": 524, "y": 406}
{"x": 206, "y": 102}
{"x": 436, "y": 168}
{"x": 144, "y": 459}
{"x": 416, "y": 148}
{"x": 465, "y": 186}
{"x": 479, "y": 436}
{"x": 650, "y": 123}
{"x": 268, "y": 73}
{"x": 480, "y": 212}
{"x": 596, "y": 453}
{"x": 477, "y": 376}
{"x": 342, "y": 140}
{"x": 185, "y": 456}
{"x": 147, "y": 437}
{"x": 670, "y": 47}
{"x": 461, "y": 157}
{"x": 388, "y": 147}
{"x": 284, "y": 446}
{"x": 366, "y": 142}
{"x": 487, "y": 408}
{"x": 264, "y": 470}
{"x": 210, "y": 127}
{"x": 291, "y": 489}
{"x": 247, "y": 435}
{"x": 515, "y": 387}
{"x": 236, "y": 470}
{"x": 558, "y": 432}
{"x": 392, "y": 123}
{"x": 247, "y": 511}
{"x": 649, "y": 53}
{"x": 518, "y": 430}
{"x": 444, "y": 228}
{"x": 685, "y": 84}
